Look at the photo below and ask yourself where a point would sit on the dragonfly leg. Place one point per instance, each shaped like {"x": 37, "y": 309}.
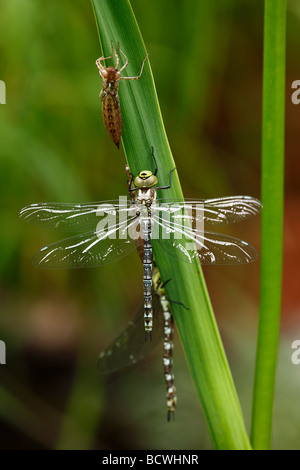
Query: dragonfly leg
{"x": 115, "y": 54}
{"x": 98, "y": 61}
{"x": 156, "y": 170}
{"x": 165, "y": 283}
{"x": 127, "y": 61}
{"x": 167, "y": 187}
{"x": 155, "y": 162}
{"x": 178, "y": 303}
{"x": 139, "y": 76}
{"x": 130, "y": 185}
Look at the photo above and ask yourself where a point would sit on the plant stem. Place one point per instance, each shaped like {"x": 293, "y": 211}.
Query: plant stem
{"x": 272, "y": 190}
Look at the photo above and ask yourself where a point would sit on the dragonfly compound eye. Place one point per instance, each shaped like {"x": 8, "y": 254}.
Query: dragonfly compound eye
{"x": 145, "y": 179}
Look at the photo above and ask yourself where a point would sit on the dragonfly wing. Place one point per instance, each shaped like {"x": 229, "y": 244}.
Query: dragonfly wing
{"x": 76, "y": 217}
{"x": 87, "y": 250}
{"x": 211, "y": 248}
{"x": 130, "y": 346}
{"x": 210, "y": 212}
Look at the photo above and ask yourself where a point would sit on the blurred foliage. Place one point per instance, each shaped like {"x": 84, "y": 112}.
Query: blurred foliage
{"x": 207, "y": 62}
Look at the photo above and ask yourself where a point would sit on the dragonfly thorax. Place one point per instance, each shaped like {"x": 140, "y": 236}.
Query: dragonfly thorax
{"x": 110, "y": 74}
{"x": 146, "y": 195}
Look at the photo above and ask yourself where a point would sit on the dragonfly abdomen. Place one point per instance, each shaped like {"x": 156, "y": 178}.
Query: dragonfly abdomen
{"x": 168, "y": 355}
{"x": 147, "y": 275}
{"x": 112, "y": 115}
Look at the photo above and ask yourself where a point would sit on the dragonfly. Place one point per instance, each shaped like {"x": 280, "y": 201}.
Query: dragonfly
{"x": 111, "y": 110}
{"x": 129, "y": 347}
{"x": 111, "y": 228}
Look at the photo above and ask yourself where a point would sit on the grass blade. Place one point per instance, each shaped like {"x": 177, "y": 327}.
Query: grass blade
{"x": 143, "y": 127}
{"x": 272, "y": 220}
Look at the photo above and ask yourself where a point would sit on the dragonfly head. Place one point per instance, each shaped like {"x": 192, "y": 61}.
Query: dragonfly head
{"x": 145, "y": 179}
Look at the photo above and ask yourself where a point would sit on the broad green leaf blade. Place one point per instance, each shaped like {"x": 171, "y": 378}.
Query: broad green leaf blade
{"x": 143, "y": 127}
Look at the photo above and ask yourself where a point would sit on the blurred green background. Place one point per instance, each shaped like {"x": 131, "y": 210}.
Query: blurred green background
{"x": 207, "y": 63}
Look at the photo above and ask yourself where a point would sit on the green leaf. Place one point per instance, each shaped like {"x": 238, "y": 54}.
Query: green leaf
{"x": 143, "y": 127}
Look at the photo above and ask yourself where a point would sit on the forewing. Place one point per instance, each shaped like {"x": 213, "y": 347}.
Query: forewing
{"x": 210, "y": 212}
{"x": 73, "y": 217}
